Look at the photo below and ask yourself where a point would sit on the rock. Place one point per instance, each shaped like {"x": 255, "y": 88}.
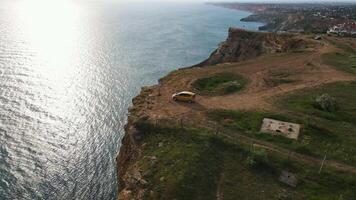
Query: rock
{"x": 152, "y": 194}
{"x": 125, "y": 194}
{"x": 153, "y": 160}
{"x": 161, "y": 179}
{"x": 141, "y": 194}
{"x": 143, "y": 182}
{"x": 243, "y": 45}
{"x": 131, "y": 183}
{"x": 147, "y": 173}
{"x": 138, "y": 137}
{"x": 133, "y": 179}
{"x": 136, "y": 174}
{"x": 153, "y": 163}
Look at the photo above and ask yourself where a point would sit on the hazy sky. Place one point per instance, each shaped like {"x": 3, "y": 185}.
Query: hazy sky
{"x": 270, "y": 1}
{"x": 291, "y": 1}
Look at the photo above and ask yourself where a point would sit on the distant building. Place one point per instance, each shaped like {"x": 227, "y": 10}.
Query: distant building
{"x": 344, "y": 29}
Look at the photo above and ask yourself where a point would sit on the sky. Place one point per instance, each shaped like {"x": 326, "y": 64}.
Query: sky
{"x": 267, "y": 1}
{"x": 290, "y": 1}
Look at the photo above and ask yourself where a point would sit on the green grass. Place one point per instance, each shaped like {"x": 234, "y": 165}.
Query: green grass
{"x": 220, "y": 84}
{"x": 345, "y": 60}
{"x": 332, "y": 131}
{"x": 343, "y": 45}
{"x": 187, "y": 161}
{"x": 279, "y": 81}
{"x": 249, "y": 124}
{"x": 193, "y": 161}
{"x": 323, "y": 131}
{"x": 279, "y": 77}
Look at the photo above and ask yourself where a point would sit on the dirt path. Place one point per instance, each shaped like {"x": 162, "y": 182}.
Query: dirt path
{"x": 219, "y": 192}
{"x": 305, "y": 69}
{"x": 290, "y": 154}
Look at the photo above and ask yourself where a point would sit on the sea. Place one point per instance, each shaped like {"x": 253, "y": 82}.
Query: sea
{"x": 68, "y": 72}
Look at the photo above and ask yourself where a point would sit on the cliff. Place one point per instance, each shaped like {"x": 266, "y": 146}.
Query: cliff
{"x": 240, "y": 45}
{"x": 130, "y": 180}
{"x": 243, "y": 45}
{"x": 309, "y": 18}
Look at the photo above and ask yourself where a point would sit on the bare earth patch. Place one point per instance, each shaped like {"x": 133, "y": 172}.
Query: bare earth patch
{"x": 292, "y": 71}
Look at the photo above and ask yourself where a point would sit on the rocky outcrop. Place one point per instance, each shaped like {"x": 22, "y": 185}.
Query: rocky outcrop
{"x": 243, "y": 45}
{"x": 240, "y": 45}
{"x": 130, "y": 181}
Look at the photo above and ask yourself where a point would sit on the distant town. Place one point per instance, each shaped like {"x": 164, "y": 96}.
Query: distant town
{"x": 338, "y": 19}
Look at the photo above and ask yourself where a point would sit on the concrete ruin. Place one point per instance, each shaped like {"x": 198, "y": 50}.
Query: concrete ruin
{"x": 276, "y": 127}
{"x": 288, "y": 178}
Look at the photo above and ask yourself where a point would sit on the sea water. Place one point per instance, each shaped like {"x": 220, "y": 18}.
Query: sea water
{"x": 68, "y": 72}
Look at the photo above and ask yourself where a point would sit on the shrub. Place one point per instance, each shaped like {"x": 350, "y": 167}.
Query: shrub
{"x": 257, "y": 158}
{"x": 326, "y": 103}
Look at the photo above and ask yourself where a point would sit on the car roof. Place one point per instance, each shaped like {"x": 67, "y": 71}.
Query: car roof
{"x": 186, "y": 92}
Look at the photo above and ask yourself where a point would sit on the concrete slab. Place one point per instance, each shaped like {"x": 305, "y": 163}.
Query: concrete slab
{"x": 288, "y": 178}
{"x": 276, "y": 127}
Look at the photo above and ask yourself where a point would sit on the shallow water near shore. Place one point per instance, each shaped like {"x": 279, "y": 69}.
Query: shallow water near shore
{"x": 68, "y": 72}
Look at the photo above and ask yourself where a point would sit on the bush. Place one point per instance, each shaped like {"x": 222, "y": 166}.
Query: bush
{"x": 326, "y": 103}
{"x": 257, "y": 158}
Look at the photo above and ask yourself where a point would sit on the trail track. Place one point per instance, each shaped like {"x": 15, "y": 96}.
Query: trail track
{"x": 305, "y": 69}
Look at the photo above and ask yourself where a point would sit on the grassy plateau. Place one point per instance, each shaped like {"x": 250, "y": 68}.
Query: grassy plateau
{"x": 344, "y": 60}
{"x": 220, "y": 84}
{"x": 323, "y": 132}
{"x": 197, "y": 164}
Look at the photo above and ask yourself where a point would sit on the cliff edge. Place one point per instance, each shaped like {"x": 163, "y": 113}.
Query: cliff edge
{"x": 240, "y": 45}
{"x": 243, "y": 45}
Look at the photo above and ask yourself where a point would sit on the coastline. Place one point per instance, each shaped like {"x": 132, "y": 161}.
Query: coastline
{"x": 130, "y": 179}
{"x": 129, "y": 152}
{"x": 267, "y": 54}
{"x": 253, "y": 13}
{"x": 130, "y": 149}
{"x": 279, "y": 17}
{"x": 175, "y": 150}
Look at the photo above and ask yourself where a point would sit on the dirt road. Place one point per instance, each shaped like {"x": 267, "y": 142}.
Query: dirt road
{"x": 305, "y": 70}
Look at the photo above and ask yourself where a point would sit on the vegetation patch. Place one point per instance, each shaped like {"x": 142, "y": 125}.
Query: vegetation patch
{"x": 197, "y": 164}
{"x": 257, "y": 158}
{"x": 279, "y": 77}
{"x": 344, "y": 60}
{"x": 323, "y": 131}
{"x": 249, "y": 124}
{"x": 326, "y": 102}
{"x": 220, "y": 84}
{"x": 273, "y": 82}
{"x": 330, "y": 126}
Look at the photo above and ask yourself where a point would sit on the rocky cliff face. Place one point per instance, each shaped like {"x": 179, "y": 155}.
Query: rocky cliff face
{"x": 130, "y": 181}
{"x": 243, "y": 45}
{"x": 240, "y": 45}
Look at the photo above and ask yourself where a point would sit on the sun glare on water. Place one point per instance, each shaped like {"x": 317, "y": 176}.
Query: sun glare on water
{"x": 51, "y": 28}
{"x": 52, "y": 31}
